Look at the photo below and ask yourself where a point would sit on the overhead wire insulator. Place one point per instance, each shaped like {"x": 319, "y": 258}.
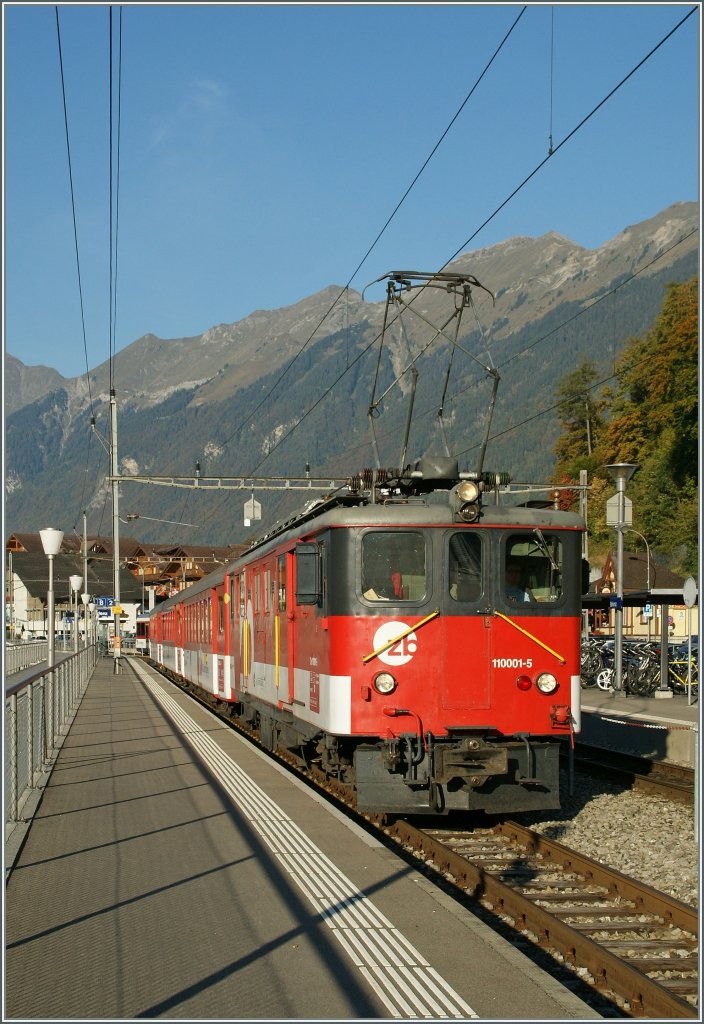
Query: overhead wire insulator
{"x": 496, "y": 479}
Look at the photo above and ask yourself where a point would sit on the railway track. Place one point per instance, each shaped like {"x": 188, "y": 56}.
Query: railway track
{"x": 661, "y": 778}
{"x": 638, "y": 947}
{"x": 634, "y": 942}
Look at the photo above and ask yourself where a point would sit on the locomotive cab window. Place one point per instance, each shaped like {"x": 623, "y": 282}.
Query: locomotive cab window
{"x": 393, "y": 566}
{"x": 533, "y": 568}
{"x": 465, "y": 567}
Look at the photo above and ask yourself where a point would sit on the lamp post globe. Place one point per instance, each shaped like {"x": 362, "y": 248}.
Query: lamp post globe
{"x": 51, "y": 542}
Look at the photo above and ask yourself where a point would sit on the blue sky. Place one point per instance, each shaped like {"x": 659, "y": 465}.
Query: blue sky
{"x": 263, "y": 148}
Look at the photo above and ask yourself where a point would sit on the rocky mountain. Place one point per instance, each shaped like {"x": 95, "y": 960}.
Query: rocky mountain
{"x": 226, "y": 398}
{"x": 27, "y": 384}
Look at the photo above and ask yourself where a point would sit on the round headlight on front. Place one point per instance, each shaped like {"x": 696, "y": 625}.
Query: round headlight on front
{"x": 468, "y": 490}
{"x": 546, "y": 682}
{"x": 384, "y": 682}
{"x": 469, "y": 512}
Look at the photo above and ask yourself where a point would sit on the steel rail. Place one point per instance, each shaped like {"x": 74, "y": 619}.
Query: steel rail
{"x": 645, "y": 996}
{"x": 661, "y": 778}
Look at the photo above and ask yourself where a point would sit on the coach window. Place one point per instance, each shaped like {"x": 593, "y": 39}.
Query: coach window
{"x": 221, "y": 614}
{"x": 243, "y": 596}
{"x": 393, "y": 566}
{"x": 281, "y": 583}
{"x": 232, "y": 598}
{"x": 465, "y": 567}
{"x": 267, "y": 587}
{"x": 533, "y": 568}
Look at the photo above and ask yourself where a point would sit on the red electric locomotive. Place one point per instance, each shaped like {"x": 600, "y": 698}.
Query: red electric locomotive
{"x": 411, "y": 635}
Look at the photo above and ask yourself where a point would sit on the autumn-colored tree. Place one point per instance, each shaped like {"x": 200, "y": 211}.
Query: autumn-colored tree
{"x": 654, "y": 423}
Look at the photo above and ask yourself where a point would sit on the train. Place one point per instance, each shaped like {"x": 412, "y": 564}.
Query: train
{"x": 378, "y": 635}
{"x": 141, "y": 643}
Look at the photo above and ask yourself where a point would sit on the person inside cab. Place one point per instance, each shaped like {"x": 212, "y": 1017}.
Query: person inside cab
{"x": 515, "y": 590}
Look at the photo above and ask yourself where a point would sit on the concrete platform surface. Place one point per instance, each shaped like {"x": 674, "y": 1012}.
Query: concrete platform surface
{"x": 664, "y": 729}
{"x": 174, "y": 871}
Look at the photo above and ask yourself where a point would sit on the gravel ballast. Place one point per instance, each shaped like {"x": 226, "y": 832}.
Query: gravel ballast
{"x": 647, "y": 837}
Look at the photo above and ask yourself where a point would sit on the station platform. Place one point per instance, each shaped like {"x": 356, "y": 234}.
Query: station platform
{"x": 172, "y": 870}
{"x": 661, "y": 728}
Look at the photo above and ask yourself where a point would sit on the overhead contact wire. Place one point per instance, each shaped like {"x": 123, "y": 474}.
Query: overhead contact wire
{"x": 73, "y": 204}
{"x": 567, "y": 137}
{"x": 381, "y": 232}
{"x": 539, "y": 166}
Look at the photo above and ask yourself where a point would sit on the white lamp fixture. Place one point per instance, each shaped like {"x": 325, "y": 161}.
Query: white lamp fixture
{"x": 51, "y": 542}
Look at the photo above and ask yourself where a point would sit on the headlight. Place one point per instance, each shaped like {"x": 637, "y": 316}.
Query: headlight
{"x": 468, "y": 490}
{"x": 469, "y": 512}
{"x": 384, "y": 682}
{"x": 546, "y": 682}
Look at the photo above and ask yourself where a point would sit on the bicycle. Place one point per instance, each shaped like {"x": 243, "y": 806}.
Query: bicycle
{"x": 678, "y": 672}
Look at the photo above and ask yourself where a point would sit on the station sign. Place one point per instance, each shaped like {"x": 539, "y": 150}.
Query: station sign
{"x": 252, "y": 510}
{"x": 689, "y": 592}
{"x": 612, "y": 511}
{"x": 104, "y": 602}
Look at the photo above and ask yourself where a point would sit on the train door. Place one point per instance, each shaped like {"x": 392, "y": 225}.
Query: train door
{"x": 283, "y": 629}
{"x": 466, "y": 679}
{"x": 246, "y": 629}
{"x": 218, "y": 640}
{"x": 179, "y": 640}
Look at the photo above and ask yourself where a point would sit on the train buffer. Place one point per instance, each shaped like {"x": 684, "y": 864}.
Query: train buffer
{"x": 172, "y": 870}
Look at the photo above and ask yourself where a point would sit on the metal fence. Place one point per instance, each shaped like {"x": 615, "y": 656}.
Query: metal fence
{"x": 19, "y": 656}
{"x": 38, "y": 713}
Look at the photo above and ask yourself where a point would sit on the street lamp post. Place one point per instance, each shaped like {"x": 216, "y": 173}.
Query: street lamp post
{"x": 76, "y": 584}
{"x": 621, "y": 473}
{"x": 51, "y": 542}
{"x": 629, "y": 529}
{"x": 85, "y": 598}
{"x": 91, "y": 610}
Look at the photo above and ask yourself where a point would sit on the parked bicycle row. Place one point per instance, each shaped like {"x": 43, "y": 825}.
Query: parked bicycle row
{"x": 642, "y": 671}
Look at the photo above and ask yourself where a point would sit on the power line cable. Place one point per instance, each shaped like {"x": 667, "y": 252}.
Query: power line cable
{"x": 542, "y": 163}
{"x": 538, "y": 167}
{"x": 73, "y": 204}
{"x": 379, "y": 235}
{"x": 567, "y": 137}
{"x": 110, "y": 179}
{"x": 501, "y": 365}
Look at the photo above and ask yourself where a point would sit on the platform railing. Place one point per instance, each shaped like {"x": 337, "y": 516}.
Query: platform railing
{"x": 38, "y": 713}
{"x": 22, "y": 655}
